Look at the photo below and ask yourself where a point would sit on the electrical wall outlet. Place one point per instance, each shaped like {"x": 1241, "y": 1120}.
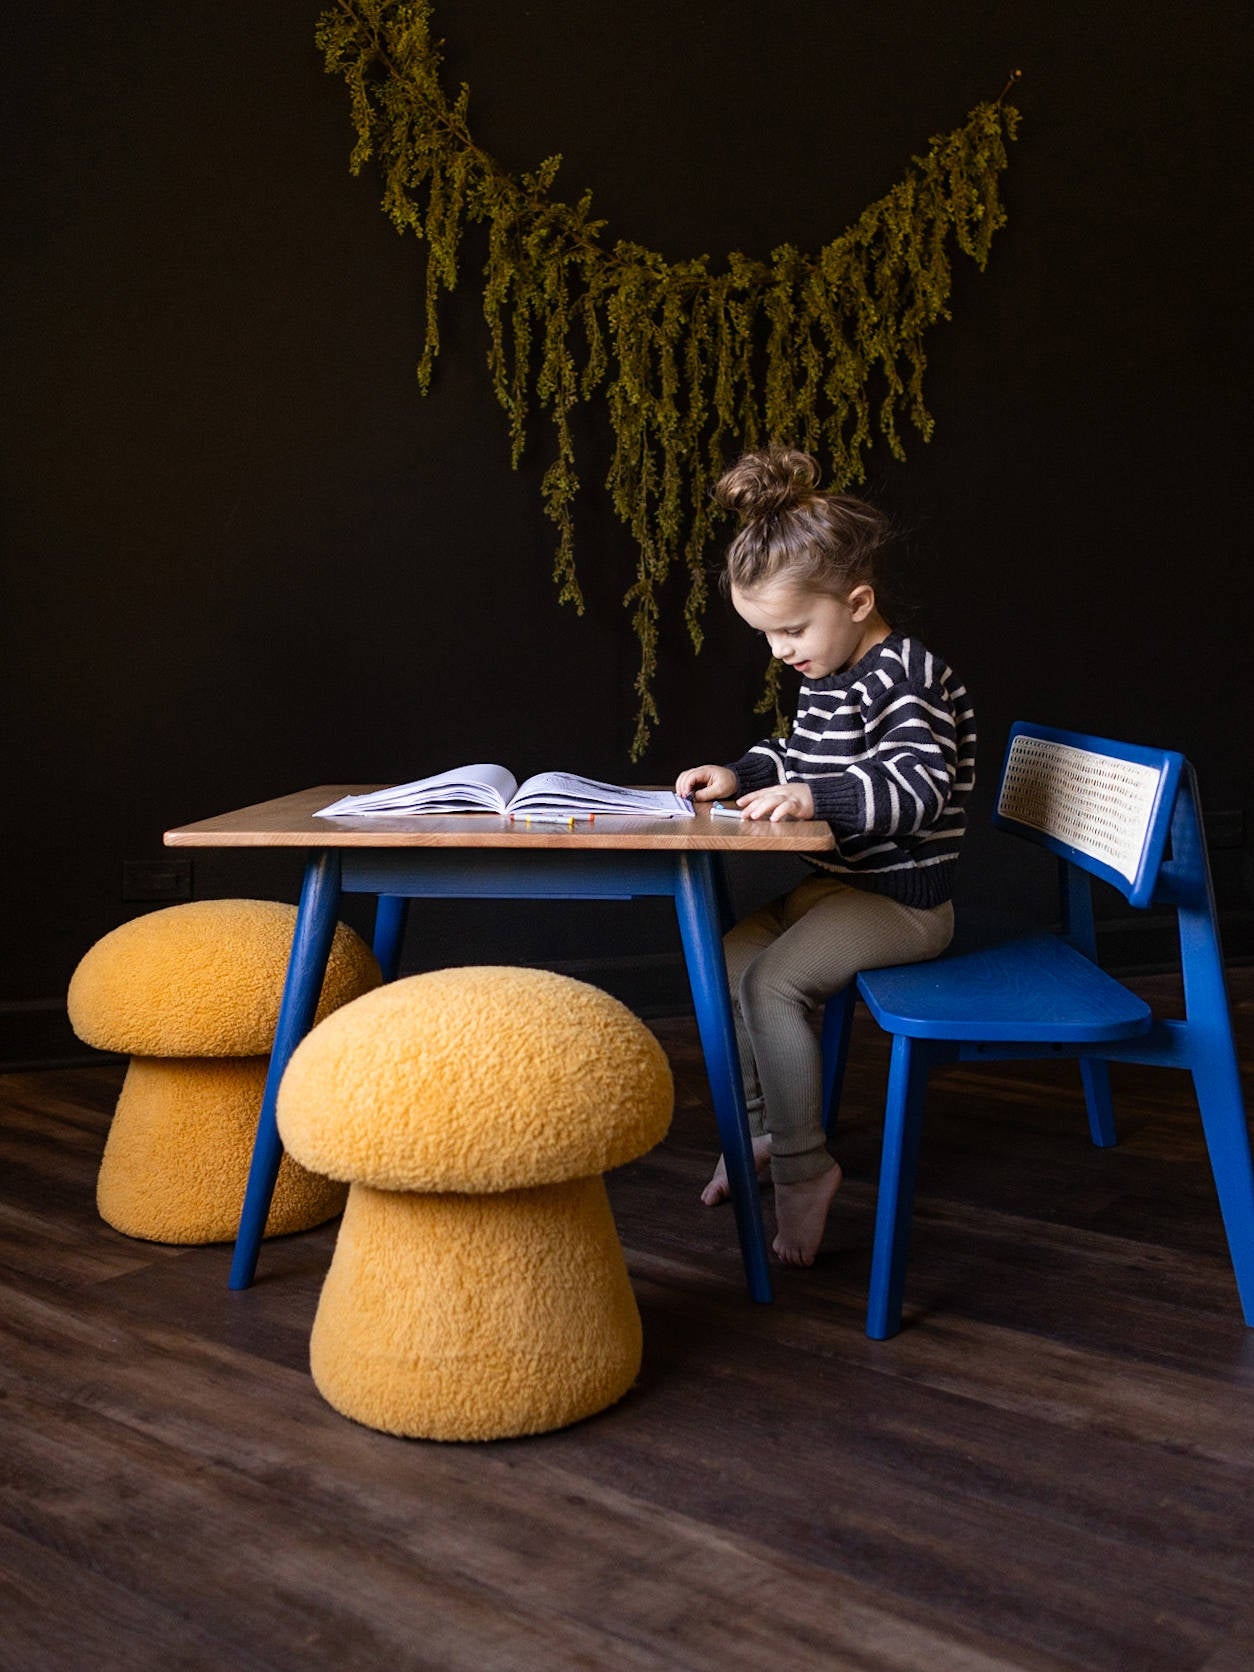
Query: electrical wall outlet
{"x": 156, "y": 879}
{"x": 1225, "y": 829}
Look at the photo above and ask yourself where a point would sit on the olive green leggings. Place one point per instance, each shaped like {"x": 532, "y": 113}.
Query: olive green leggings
{"x": 783, "y": 963}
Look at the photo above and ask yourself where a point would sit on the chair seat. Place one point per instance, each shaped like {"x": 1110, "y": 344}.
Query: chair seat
{"x": 1036, "y": 989}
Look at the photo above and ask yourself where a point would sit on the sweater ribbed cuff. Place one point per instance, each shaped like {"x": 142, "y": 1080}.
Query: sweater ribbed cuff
{"x": 754, "y": 772}
{"x": 840, "y": 800}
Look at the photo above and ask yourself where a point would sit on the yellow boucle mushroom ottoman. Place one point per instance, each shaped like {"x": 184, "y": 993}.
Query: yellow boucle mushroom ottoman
{"x": 192, "y": 993}
{"x": 478, "y": 1288}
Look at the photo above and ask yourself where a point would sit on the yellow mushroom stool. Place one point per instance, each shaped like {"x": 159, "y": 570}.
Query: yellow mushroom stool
{"x": 192, "y": 994}
{"x": 478, "y": 1288}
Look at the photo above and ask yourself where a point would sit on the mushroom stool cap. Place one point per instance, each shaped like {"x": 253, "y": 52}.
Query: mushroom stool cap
{"x": 202, "y": 980}
{"x": 478, "y": 1079}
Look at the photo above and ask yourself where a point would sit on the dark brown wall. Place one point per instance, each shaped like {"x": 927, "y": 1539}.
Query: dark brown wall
{"x": 244, "y": 555}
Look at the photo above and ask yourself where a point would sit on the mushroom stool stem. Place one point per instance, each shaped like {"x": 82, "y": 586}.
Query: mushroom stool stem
{"x": 452, "y": 1317}
{"x": 175, "y": 1162}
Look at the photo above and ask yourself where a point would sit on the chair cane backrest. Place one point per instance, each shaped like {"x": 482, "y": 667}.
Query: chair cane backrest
{"x": 1103, "y": 806}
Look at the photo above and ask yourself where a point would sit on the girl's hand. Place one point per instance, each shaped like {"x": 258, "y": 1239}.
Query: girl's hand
{"x": 780, "y": 801}
{"x": 707, "y": 783}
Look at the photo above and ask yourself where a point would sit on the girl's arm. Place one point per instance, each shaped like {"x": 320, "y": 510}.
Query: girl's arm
{"x": 763, "y": 765}
{"x": 904, "y": 783}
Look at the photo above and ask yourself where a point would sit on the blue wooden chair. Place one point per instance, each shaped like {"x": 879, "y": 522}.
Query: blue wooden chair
{"x": 1131, "y": 817}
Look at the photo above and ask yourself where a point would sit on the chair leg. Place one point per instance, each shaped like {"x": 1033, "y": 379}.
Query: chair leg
{"x": 1217, "y": 1081}
{"x": 903, "y": 1126}
{"x": 1096, "y": 1076}
{"x": 837, "y": 1021}
{"x": 1208, "y": 1032}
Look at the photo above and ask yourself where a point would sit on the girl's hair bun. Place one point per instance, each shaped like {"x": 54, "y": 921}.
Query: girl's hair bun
{"x": 824, "y": 541}
{"x": 763, "y": 483}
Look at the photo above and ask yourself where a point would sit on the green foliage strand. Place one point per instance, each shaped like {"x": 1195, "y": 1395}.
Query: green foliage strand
{"x": 826, "y": 350}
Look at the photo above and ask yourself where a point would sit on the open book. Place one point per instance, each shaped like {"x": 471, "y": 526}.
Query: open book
{"x": 492, "y": 789}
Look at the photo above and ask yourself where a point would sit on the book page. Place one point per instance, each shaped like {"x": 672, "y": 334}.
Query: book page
{"x": 566, "y": 793}
{"x": 482, "y": 788}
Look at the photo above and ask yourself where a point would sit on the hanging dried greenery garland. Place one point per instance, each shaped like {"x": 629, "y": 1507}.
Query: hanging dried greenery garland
{"x": 694, "y": 363}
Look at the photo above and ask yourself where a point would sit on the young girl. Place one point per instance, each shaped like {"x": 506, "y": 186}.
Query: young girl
{"x": 883, "y": 748}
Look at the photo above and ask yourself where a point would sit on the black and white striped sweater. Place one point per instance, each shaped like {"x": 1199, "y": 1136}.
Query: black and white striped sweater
{"x": 888, "y": 750}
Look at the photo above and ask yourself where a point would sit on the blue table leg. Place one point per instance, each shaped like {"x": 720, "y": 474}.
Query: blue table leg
{"x": 697, "y": 908}
{"x": 722, "y": 893}
{"x": 311, "y": 946}
{"x": 389, "y": 932}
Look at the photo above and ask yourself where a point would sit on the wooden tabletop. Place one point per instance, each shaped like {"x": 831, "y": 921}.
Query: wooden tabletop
{"x": 288, "y": 822}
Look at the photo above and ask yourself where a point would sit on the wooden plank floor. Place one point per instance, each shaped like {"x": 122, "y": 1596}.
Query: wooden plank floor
{"x": 1051, "y": 1467}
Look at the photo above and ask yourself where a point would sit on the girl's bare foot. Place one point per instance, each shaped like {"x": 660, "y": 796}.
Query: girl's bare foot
{"x": 801, "y": 1216}
{"x": 717, "y": 1190}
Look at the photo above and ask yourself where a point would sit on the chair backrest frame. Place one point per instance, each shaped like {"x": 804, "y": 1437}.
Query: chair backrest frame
{"x": 1147, "y": 814}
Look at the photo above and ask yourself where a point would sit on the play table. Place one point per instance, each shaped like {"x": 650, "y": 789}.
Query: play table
{"x": 486, "y": 856}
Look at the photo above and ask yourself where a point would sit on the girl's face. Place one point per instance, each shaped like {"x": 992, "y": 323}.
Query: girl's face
{"x": 811, "y": 631}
